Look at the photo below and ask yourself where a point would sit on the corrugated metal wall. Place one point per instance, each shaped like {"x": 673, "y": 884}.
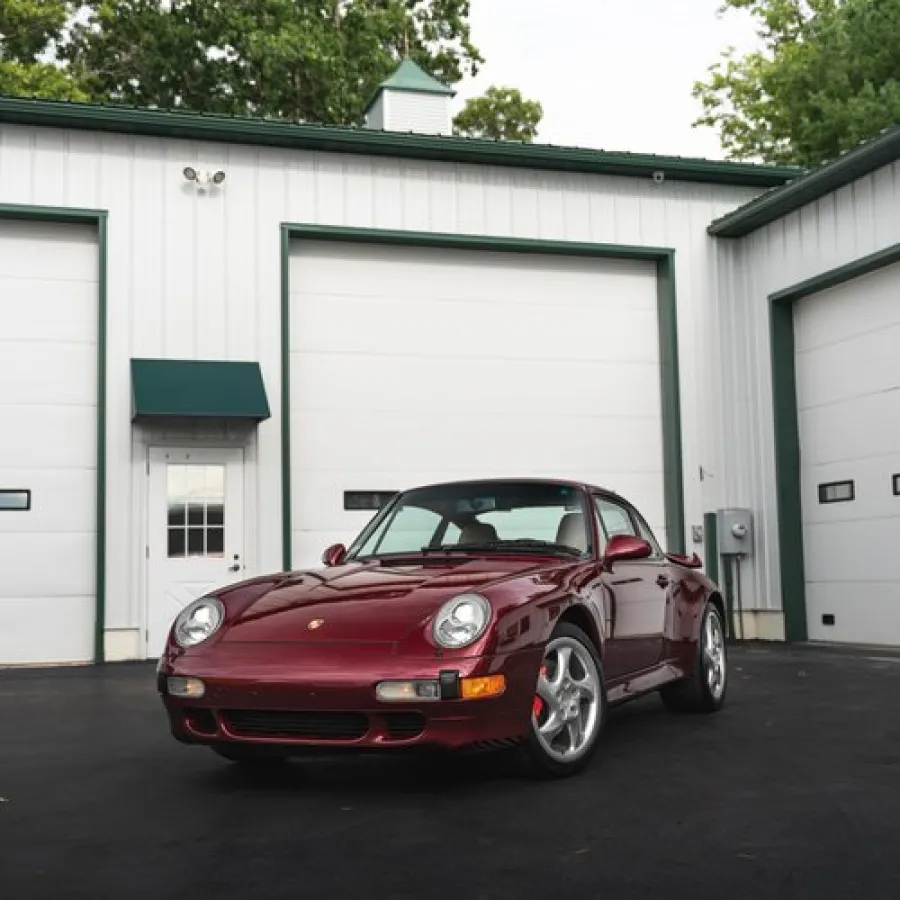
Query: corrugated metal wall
{"x": 196, "y": 276}
{"x": 856, "y": 220}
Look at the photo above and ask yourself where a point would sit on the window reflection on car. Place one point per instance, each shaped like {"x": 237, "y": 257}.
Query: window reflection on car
{"x": 479, "y": 517}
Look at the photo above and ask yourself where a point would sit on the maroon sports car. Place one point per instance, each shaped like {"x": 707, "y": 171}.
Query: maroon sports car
{"x": 469, "y": 615}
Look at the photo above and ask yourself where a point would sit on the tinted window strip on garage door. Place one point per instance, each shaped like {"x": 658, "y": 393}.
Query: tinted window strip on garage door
{"x": 837, "y": 492}
{"x": 15, "y": 501}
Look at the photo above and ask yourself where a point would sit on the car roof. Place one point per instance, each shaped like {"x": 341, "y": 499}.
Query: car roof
{"x": 561, "y": 482}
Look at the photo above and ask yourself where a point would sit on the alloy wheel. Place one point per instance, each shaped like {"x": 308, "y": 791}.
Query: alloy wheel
{"x": 567, "y": 708}
{"x": 713, "y": 650}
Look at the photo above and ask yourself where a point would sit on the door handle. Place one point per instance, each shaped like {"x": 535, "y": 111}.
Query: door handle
{"x": 662, "y": 581}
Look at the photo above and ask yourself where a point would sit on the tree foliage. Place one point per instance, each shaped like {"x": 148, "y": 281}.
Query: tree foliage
{"x": 502, "y": 114}
{"x": 826, "y": 76}
{"x": 27, "y": 29}
{"x": 304, "y": 60}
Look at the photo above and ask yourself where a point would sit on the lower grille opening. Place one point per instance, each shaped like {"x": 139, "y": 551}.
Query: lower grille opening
{"x": 404, "y": 725}
{"x": 333, "y": 726}
{"x": 201, "y": 720}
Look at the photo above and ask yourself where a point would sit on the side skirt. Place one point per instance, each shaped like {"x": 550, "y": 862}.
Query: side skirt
{"x": 642, "y": 684}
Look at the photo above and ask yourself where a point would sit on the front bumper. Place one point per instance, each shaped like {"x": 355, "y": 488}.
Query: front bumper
{"x": 301, "y": 698}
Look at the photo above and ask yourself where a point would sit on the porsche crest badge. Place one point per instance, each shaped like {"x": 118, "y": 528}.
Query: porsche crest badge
{"x": 315, "y": 623}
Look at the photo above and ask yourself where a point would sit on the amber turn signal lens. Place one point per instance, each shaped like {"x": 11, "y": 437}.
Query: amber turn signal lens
{"x": 479, "y": 688}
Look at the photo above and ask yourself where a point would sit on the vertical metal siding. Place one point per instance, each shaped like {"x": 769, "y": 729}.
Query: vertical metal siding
{"x": 856, "y": 220}
{"x": 195, "y": 275}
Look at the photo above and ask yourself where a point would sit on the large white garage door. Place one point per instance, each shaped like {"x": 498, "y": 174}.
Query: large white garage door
{"x": 847, "y": 342}
{"x": 410, "y": 366}
{"x": 48, "y": 390}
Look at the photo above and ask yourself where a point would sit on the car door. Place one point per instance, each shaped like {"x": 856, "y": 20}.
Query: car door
{"x": 637, "y": 591}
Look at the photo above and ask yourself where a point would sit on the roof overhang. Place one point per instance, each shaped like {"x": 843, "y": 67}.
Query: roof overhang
{"x": 182, "y": 125}
{"x": 868, "y": 157}
{"x": 197, "y": 389}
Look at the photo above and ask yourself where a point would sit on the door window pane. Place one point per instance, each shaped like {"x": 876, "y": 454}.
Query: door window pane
{"x": 615, "y": 519}
{"x": 196, "y": 509}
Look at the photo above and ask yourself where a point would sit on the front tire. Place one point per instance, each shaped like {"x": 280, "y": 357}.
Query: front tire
{"x": 704, "y": 690}
{"x": 569, "y": 709}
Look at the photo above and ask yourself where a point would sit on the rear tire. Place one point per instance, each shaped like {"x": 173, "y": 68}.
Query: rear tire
{"x": 705, "y": 689}
{"x": 569, "y": 712}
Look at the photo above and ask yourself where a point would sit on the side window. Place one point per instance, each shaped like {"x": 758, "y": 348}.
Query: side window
{"x": 647, "y": 534}
{"x": 615, "y": 518}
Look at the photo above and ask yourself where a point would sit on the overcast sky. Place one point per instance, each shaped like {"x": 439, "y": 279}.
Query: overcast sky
{"x": 613, "y": 74}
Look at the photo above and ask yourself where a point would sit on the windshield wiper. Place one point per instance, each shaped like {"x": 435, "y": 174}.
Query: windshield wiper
{"x": 526, "y": 545}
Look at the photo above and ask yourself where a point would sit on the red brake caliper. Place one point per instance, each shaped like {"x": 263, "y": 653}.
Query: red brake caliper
{"x": 537, "y": 705}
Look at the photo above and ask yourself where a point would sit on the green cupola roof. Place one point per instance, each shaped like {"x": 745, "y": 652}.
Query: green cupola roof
{"x": 411, "y": 77}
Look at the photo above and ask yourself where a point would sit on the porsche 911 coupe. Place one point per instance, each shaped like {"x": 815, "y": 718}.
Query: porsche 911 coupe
{"x": 494, "y": 614}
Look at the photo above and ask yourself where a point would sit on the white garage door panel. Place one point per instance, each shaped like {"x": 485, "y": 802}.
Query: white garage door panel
{"x": 869, "y": 614}
{"x": 46, "y": 629}
{"x": 475, "y": 276}
{"x": 845, "y": 378}
{"x": 38, "y": 252}
{"x": 65, "y": 560}
{"x": 867, "y": 426}
{"x": 841, "y": 552}
{"x": 48, "y": 436}
{"x": 44, "y": 362}
{"x": 459, "y": 330}
{"x": 59, "y": 500}
{"x": 58, "y": 317}
{"x": 411, "y": 366}
{"x": 848, "y": 393}
{"x": 461, "y": 441}
{"x": 828, "y": 317}
{"x": 384, "y": 383}
{"x": 871, "y": 481}
{"x": 48, "y": 387}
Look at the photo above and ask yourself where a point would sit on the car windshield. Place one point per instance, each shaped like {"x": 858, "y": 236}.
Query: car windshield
{"x": 479, "y": 517}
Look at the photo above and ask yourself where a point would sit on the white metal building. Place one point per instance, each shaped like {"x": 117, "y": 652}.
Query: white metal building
{"x": 206, "y": 378}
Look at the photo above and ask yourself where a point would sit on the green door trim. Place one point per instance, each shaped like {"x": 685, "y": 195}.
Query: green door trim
{"x": 787, "y": 428}
{"x": 667, "y": 304}
{"x": 99, "y": 219}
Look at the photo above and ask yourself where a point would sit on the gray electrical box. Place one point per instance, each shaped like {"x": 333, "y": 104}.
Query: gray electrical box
{"x": 735, "y": 531}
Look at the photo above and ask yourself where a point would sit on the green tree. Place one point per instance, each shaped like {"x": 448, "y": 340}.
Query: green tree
{"x": 826, "y": 76}
{"x": 28, "y": 30}
{"x": 303, "y": 60}
{"x": 502, "y": 114}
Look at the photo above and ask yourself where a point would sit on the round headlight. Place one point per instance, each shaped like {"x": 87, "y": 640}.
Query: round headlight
{"x": 198, "y": 621}
{"x": 461, "y": 621}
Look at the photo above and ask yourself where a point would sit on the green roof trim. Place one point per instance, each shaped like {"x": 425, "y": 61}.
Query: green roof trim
{"x": 197, "y": 389}
{"x": 411, "y": 77}
{"x": 810, "y": 186}
{"x": 369, "y": 142}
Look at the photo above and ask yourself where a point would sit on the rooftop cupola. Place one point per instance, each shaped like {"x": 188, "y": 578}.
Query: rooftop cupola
{"x": 411, "y": 100}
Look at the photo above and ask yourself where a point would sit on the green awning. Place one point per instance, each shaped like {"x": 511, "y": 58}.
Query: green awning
{"x": 197, "y": 389}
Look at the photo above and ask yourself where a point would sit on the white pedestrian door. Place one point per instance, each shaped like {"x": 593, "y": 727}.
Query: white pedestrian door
{"x": 196, "y": 531}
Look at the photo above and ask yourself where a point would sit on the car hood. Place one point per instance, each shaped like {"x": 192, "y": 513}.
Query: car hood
{"x": 365, "y": 602}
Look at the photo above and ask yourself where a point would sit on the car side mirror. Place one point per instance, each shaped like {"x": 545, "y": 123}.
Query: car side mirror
{"x": 689, "y": 562}
{"x": 334, "y": 555}
{"x": 625, "y": 546}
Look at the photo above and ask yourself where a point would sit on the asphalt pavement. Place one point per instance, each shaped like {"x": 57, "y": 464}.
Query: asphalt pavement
{"x": 792, "y": 791}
